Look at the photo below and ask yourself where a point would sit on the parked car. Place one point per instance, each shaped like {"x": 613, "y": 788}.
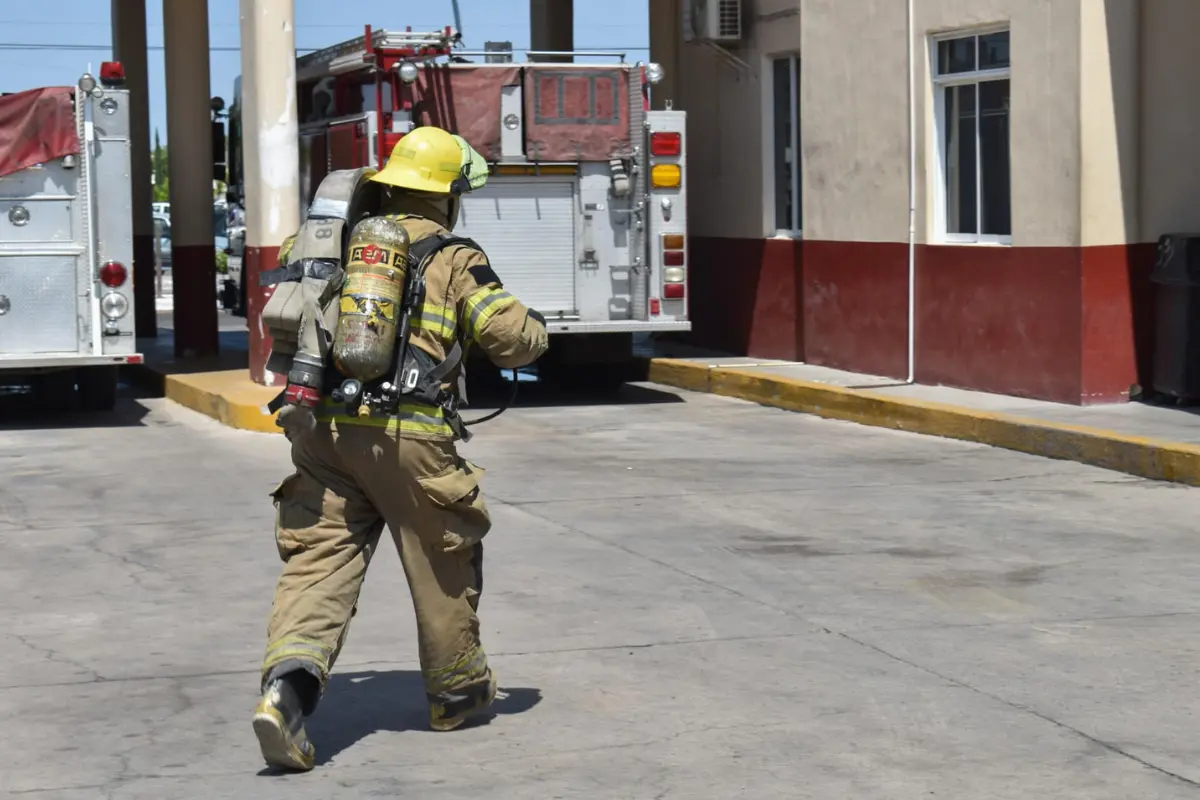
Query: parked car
{"x": 227, "y": 250}
{"x": 162, "y": 232}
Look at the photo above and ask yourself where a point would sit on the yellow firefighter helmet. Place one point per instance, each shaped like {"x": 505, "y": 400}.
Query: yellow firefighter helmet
{"x": 434, "y": 160}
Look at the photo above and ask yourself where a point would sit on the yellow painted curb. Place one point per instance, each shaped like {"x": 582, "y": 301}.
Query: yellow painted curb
{"x": 1148, "y": 458}
{"x": 229, "y": 397}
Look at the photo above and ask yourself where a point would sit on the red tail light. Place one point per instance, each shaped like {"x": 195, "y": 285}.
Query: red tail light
{"x": 666, "y": 144}
{"x": 673, "y": 258}
{"x": 674, "y": 291}
{"x": 113, "y": 274}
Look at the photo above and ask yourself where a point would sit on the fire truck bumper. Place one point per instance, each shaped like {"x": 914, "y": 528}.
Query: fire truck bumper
{"x": 615, "y": 326}
{"x": 65, "y": 361}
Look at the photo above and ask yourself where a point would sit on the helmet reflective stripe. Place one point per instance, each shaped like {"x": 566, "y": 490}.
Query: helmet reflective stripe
{"x": 476, "y": 166}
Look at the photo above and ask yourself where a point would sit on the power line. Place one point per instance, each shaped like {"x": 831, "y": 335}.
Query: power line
{"x": 298, "y": 26}
{"x": 11, "y": 46}
{"x": 20, "y": 46}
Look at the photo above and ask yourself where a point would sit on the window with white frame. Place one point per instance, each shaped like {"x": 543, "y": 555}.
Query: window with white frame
{"x": 971, "y": 85}
{"x": 785, "y": 143}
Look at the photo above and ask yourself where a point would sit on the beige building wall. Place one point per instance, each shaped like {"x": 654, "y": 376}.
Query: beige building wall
{"x": 725, "y": 101}
{"x": 724, "y": 157}
{"x": 1072, "y": 60}
{"x": 854, "y": 121}
{"x": 1169, "y": 140}
{"x": 1044, "y": 120}
{"x": 1105, "y": 117}
{"x": 1108, "y": 99}
{"x": 855, "y": 117}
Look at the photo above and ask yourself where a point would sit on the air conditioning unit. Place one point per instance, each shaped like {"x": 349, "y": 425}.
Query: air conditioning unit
{"x": 717, "y": 20}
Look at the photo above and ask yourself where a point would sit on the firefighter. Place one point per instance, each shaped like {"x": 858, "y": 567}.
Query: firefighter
{"x": 355, "y": 474}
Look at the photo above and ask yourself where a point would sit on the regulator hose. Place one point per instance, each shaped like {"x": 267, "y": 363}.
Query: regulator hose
{"x": 504, "y": 407}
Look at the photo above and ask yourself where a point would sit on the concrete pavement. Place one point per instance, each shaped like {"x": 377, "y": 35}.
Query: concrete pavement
{"x": 1157, "y": 442}
{"x": 1138, "y": 439}
{"x": 686, "y": 596}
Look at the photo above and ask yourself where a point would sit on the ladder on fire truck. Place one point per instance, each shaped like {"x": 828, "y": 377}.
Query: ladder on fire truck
{"x": 362, "y": 51}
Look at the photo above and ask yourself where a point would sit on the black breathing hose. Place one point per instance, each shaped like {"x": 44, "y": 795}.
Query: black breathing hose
{"x": 511, "y": 397}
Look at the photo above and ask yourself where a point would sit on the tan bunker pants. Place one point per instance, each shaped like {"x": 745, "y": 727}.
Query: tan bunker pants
{"x": 348, "y": 483}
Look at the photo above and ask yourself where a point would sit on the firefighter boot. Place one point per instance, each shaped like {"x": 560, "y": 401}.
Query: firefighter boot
{"x": 279, "y": 726}
{"x": 449, "y": 710}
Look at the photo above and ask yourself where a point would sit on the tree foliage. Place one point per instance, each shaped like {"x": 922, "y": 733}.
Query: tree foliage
{"x": 160, "y": 171}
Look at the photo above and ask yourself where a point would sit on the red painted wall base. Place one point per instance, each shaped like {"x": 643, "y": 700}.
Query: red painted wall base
{"x": 257, "y": 260}
{"x": 1072, "y": 325}
{"x": 194, "y": 284}
{"x": 746, "y": 296}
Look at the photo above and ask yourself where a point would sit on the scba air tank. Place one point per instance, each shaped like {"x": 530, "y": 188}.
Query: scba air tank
{"x": 369, "y": 306}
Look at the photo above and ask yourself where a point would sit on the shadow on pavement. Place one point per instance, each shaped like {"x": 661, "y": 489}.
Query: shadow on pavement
{"x": 533, "y": 394}
{"x": 20, "y": 411}
{"x": 358, "y": 704}
{"x": 487, "y": 388}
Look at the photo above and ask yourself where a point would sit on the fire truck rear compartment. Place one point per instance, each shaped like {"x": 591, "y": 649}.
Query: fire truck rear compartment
{"x": 42, "y": 305}
{"x": 39, "y": 253}
{"x": 527, "y": 227}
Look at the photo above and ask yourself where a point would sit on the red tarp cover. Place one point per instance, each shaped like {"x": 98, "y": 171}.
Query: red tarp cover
{"x": 466, "y": 101}
{"x": 36, "y": 126}
{"x": 577, "y": 114}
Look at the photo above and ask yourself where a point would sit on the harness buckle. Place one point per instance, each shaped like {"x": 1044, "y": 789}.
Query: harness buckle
{"x": 457, "y": 425}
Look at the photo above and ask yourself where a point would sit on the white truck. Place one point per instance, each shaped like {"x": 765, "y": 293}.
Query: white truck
{"x": 584, "y": 216}
{"x": 66, "y": 240}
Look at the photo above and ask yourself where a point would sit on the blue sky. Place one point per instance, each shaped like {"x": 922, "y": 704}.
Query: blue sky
{"x": 609, "y": 24}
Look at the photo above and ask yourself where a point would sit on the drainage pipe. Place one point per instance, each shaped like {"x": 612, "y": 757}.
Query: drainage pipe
{"x": 912, "y": 195}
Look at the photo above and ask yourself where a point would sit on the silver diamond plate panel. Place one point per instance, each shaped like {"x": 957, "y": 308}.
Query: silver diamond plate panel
{"x": 41, "y": 299}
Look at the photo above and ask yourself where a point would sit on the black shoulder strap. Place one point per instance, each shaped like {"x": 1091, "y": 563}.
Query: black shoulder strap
{"x": 319, "y": 268}
{"x": 420, "y": 251}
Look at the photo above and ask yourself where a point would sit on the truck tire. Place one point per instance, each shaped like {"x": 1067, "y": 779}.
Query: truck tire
{"x": 98, "y": 388}
{"x": 54, "y": 391}
{"x": 596, "y": 363}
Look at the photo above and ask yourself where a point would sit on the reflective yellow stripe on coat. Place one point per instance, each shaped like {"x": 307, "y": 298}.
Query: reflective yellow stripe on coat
{"x": 410, "y": 418}
{"x": 438, "y": 321}
{"x": 482, "y": 306}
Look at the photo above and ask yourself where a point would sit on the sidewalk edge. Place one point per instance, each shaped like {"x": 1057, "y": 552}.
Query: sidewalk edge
{"x": 1147, "y": 458}
{"x": 228, "y": 396}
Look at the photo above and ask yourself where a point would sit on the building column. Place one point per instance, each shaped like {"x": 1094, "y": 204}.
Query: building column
{"x": 552, "y": 27}
{"x": 666, "y": 42}
{"x": 271, "y": 157}
{"x": 189, "y": 149}
{"x": 129, "y": 47}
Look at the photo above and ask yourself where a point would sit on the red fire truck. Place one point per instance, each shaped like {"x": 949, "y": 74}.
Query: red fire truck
{"x": 584, "y": 216}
